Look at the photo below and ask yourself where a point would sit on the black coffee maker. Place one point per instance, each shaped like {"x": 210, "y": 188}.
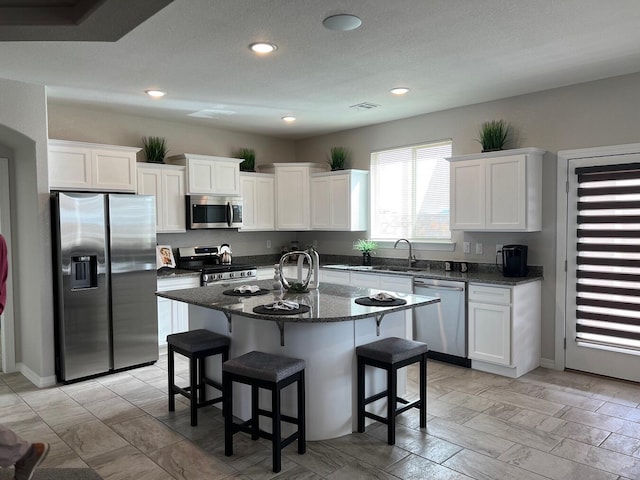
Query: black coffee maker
{"x": 514, "y": 261}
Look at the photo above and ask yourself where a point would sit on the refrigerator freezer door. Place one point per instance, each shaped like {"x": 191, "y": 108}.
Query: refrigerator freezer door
{"x": 132, "y": 224}
{"x": 82, "y": 299}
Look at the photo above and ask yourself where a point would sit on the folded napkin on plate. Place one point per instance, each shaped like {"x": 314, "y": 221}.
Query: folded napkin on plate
{"x": 282, "y": 305}
{"x": 247, "y": 289}
{"x": 382, "y": 297}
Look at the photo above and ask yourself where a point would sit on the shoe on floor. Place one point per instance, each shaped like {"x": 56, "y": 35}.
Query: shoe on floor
{"x": 34, "y": 457}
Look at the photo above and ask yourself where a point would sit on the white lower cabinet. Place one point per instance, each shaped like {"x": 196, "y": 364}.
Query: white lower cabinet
{"x": 504, "y": 328}
{"x": 334, "y": 276}
{"x": 173, "y": 317}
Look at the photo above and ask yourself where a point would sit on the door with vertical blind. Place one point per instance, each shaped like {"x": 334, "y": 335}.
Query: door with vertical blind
{"x": 603, "y": 266}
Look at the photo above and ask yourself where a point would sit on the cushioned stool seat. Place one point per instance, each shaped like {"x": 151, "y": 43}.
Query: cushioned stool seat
{"x": 196, "y": 345}
{"x": 391, "y": 354}
{"x": 271, "y": 372}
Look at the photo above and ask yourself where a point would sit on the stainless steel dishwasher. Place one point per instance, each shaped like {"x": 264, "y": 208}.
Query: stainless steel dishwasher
{"x": 442, "y": 326}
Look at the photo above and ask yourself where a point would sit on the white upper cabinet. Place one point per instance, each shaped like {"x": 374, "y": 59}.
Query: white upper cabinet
{"x": 497, "y": 191}
{"x": 90, "y": 166}
{"x": 293, "y": 193}
{"x": 257, "y": 190}
{"x": 339, "y": 200}
{"x": 167, "y": 183}
{"x": 209, "y": 175}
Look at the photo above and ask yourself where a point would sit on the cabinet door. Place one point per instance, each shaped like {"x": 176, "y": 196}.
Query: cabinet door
{"x": 333, "y": 276}
{"x": 258, "y": 211}
{"x": 367, "y": 280}
{"x": 69, "y": 168}
{"x": 490, "y": 332}
{"x": 165, "y": 318}
{"x": 150, "y": 183}
{"x": 396, "y": 283}
{"x": 201, "y": 177}
{"x": 248, "y": 189}
{"x": 340, "y": 205}
{"x": 173, "y": 201}
{"x": 113, "y": 170}
{"x": 226, "y": 178}
{"x": 321, "y": 203}
{"x": 506, "y": 190}
{"x": 292, "y": 198}
{"x": 467, "y": 192}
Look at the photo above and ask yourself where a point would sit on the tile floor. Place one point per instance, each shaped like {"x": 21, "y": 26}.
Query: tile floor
{"x": 545, "y": 425}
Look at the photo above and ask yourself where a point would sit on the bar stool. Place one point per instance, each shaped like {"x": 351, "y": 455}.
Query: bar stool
{"x": 196, "y": 345}
{"x": 271, "y": 372}
{"x": 391, "y": 354}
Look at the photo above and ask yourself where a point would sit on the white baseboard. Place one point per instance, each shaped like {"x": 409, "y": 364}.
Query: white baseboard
{"x": 34, "y": 378}
{"x": 548, "y": 363}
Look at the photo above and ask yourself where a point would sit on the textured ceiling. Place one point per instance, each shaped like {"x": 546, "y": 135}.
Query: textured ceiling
{"x": 449, "y": 52}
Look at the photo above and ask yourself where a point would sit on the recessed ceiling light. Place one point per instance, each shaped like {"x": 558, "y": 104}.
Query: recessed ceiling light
{"x": 399, "y": 90}
{"x": 289, "y": 118}
{"x": 342, "y": 22}
{"x": 262, "y": 47}
{"x": 155, "y": 93}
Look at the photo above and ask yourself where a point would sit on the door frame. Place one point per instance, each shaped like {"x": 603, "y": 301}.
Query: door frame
{"x": 562, "y": 186}
{"x": 8, "y": 318}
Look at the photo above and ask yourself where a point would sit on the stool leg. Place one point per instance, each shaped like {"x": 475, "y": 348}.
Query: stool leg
{"x": 392, "y": 389}
{"x": 302, "y": 419}
{"x": 172, "y": 398}
{"x": 193, "y": 380}
{"x": 202, "y": 387}
{"x": 423, "y": 391}
{"x": 255, "y": 416}
{"x": 277, "y": 440}
{"x": 227, "y": 409}
{"x": 361, "y": 395}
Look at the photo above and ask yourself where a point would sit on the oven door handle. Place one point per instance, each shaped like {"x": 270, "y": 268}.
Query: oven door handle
{"x": 229, "y": 214}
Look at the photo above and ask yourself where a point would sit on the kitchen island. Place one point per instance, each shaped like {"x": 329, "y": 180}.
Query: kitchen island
{"x": 325, "y": 337}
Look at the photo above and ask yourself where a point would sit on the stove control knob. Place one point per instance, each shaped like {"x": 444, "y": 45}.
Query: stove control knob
{"x": 242, "y": 274}
{"x": 220, "y": 275}
{"x": 231, "y": 275}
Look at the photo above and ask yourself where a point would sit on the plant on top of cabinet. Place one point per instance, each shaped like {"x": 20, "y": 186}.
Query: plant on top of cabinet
{"x": 338, "y": 158}
{"x": 367, "y": 247}
{"x": 155, "y": 149}
{"x": 249, "y": 157}
{"x": 493, "y": 135}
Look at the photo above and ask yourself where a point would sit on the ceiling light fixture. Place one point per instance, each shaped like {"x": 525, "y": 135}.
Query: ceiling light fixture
{"x": 262, "y": 47}
{"x": 399, "y": 90}
{"x": 289, "y": 118}
{"x": 342, "y": 23}
{"x": 155, "y": 93}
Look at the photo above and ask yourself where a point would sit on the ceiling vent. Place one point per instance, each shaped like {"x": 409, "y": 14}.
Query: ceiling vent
{"x": 364, "y": 106}
{"x": 211, "y": 113}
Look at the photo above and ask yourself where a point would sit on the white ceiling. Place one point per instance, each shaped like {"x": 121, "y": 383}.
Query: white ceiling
{"x": 449, "y": 52}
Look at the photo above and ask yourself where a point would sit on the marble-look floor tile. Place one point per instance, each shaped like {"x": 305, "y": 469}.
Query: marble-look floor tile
{"x": 595, "y": 419}
{"x": 481, "y": 467}
{"x": 543, "y": 422}
{"x": 60, "y": 417}
{"x": 319, "y": 458}
{"x": 556, "y": 396}
{"x": 472, "y": 402}
{"x": 368, "y": 449}
{"x": 582, "y": 433}
{"x": 8, "y": 397}
{"x": 414, "y": 467}
{"x": 600, "y": 458}
{"x": 449, "y": 411}
{"x": 88, "y": 392}
{"x": 459, "y": 384}
{"x": 114, "y": 410}
{"x": 552, "y": 466}
{"x": 127, "y": 463}
{"x": 91, "y": 439}
{"x": 622, "y": 444}
{"x": 186, "y": 462}
{"x": 146, "y": 433}
{"x": 47, "y": 398}
{"x": 356, "y": 471}
{"x": 621, "y": 411}
{"x": 523, "y": 401}
{"x": 468, "y": 437}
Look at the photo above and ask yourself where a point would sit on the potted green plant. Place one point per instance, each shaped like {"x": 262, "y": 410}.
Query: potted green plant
{"x": 249, "y": 157}
{"x": 493, "y": 135}
{"x": 367, "y": 247}
{"x": 338, "y": 158}
{"x": 155, "y": 149}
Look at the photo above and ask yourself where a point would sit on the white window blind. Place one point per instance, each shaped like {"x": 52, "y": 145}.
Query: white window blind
{"x": 608, "y": 262}
{"x": 410, "y": 193}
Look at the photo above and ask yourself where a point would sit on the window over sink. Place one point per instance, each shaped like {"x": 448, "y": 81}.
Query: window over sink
{"x": 410, "y": 193}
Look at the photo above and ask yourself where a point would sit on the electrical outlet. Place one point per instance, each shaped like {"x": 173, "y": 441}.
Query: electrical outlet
{"x": 268, "y": 243}
{"x": 466, "y": 247}
{"x": 315, "y": 244}
{"x": 478, "y": 249}
{"x": 498, "y": 248}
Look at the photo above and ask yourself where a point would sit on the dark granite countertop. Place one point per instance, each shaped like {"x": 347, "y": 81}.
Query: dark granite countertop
{"x": 329, "y": 303}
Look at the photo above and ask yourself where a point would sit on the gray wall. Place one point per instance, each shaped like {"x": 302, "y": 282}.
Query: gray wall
{"x": 600, "y": 113}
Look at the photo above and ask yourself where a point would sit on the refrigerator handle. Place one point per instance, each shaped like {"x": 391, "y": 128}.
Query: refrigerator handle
{"x": 229, "y": 214}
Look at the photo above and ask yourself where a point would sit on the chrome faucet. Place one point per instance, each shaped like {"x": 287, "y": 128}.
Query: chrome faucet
{"x": 412, "y": 258}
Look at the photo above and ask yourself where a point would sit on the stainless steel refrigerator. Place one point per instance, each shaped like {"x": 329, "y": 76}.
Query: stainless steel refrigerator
{"x": 105, "y": 282}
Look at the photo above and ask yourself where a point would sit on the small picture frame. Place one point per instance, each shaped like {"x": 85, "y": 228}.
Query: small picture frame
{"x": 164, "y": 256}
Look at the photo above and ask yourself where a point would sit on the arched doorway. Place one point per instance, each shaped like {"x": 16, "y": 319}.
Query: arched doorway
{"x": 7, "y": 337}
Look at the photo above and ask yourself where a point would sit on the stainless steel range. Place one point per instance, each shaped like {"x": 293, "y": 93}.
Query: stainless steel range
{"x": 208, "y": 261}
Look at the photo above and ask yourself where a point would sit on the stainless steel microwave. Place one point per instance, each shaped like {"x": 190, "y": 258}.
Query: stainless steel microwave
{"x": 213, "y": 212}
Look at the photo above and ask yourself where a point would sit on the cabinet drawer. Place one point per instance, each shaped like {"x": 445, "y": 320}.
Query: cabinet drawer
{"x": 178, "y": 283}
{"x": 487, "y": 294}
